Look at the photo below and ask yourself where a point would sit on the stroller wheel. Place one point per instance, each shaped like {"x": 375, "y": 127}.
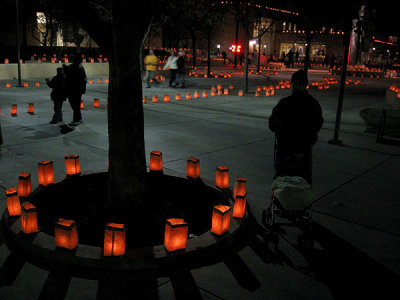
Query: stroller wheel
{"x": 264, "y": 216}
{"x": 305, "y": 241}
{"x": 269, "y": 214}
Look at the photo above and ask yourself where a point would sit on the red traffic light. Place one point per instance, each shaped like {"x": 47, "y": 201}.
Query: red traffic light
{"x": 236, "y": 48}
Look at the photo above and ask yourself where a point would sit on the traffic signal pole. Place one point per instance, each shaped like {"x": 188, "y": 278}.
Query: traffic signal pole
{"x": 18, "y": 51}
{"x": 335, "y": 139}
{"x": 236, "y": 42}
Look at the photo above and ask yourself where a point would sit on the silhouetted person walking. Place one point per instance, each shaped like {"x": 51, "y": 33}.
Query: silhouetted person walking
{"x": 290, "y": 59}
{"x": 76, "y": 86}
{"x": 58, "y": 94}
{"x": 224, "y": 56}
{"x": 332, "y": 63}
{"x": 296, "y": 121}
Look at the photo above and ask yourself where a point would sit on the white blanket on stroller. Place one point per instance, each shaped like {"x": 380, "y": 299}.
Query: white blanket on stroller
{"x": 292, "y": 192}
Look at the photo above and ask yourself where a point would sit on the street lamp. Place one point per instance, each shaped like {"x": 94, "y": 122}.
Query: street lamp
{"x": 18, "y": 52}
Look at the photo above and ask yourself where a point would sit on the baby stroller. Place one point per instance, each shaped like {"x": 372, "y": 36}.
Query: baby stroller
{"x": 291, "y": 199}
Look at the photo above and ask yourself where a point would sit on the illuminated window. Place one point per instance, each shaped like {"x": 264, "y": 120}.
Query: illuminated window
{"x": 41, "y": 26}
{"x": 60, "y": 40}
{"x": 41, "y": 18}
{"x": 295, "y": 47}
{"x": 318, "y": 50}
{"x": 44, "y": 35}
{"x": 261, "y": 26}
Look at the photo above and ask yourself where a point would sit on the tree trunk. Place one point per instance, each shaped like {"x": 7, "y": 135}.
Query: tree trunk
{"x": 46, "y": 33}
{"x": 346, "y": 46}
{"x": 259, "y": 53}
{"x": 141, "y": 58}
{"x": 127, "y": 162}
{"x": 246, "y": 58}
{"x": 127, "y": 168}
{"x": 24, "y": 33}
{"x": 208, "y": 51}
{"x": 121, "y": 41}
{"x": 194, "y": 48}
{"x": 52, "y": 34}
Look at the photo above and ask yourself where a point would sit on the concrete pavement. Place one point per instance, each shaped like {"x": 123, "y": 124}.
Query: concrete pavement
{"x": 356, "y": 185}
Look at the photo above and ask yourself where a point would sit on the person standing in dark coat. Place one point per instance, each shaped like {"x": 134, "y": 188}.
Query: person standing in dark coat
{"x": 224, "y": 56}
{"x": 296, "y": 121}
{"x": 76, "y": 86}
{"x": 290, "y": 59}
{"x": 58, "y": 94}
{"x": 180, "y": 75}
{"x": 332, "y": 63}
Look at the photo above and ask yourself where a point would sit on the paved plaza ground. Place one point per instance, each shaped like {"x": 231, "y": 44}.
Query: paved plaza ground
{"x": 356, "y": 185}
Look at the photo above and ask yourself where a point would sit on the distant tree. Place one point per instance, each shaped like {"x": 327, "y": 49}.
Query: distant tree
{"x": 7, "y": 25}
{"x": 340, "y": 14}
{"x": 44, "y": 20}
{"x": 188, "y": 19}
{"x": 263, "y": 25}
{"x": 173, "y": 31}
{"x": 215, "y": 13}
{"x": 245, "y": 13}
{"x": 71, "y": 32}
{"x": 312, "y": 18}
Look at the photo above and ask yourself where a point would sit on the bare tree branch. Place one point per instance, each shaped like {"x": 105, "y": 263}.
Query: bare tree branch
{"x": 93, "y": 23}
{"x": 147, "y": 31}
{"x": 103, "y": 12}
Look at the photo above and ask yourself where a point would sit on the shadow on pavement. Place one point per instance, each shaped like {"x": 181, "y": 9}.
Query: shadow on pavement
{"x": 65, "y": 129}
{"x": 348, "y": 272}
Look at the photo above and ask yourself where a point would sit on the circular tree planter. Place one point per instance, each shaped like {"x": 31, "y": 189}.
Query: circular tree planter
{"x": 81, "y": 198}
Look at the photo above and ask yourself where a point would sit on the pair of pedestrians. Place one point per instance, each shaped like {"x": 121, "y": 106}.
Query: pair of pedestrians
{"x": 176, "y": 65}
{"x": 70, "y": 82}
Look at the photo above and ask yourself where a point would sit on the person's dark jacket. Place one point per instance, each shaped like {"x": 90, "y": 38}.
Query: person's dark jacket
{"x": 181, "y": 65}
{"x": 76, "y": 79}
{"x": 290, "y": 55}
{"x": 58, "y": 85}
{"x": 296, "y": 121}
